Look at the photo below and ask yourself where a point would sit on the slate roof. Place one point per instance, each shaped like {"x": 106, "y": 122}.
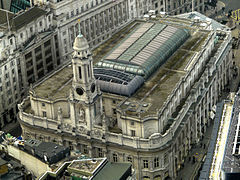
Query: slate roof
{"x": 18, "y": 21}
{"x": 113, "y": 171}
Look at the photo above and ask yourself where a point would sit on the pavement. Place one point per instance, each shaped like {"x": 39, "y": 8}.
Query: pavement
{"x": 13, "y": 128}
{"x": 198, "y": 151}
{"x": 230, "y": 4}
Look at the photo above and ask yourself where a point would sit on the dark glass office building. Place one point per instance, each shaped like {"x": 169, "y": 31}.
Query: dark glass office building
{"x": 14, "y": 5}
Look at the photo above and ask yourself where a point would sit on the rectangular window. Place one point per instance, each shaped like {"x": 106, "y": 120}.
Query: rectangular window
{"x": 88, "y": 71}
{"x": 29, "y": 55}
{"x": 80, "y": 72}
{"x": 38, "y": 49}
{"x": 95, "y": 110}
{"x": 133, "y": 133}
{"x": 44, "y": 114}
{"x": 47, "y": 43}
{"x": 100, "y": 152}
{"x": 156, "y": 162}
{"x": 115, "y": 158}
{"x": 145, "y": 163}
{"x": 85, "y": 149}
{"x": 129, "y": 159}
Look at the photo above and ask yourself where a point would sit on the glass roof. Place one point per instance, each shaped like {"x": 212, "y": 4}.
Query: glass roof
{"x": 146, "y": 49}
{"x": 117, "y": 82}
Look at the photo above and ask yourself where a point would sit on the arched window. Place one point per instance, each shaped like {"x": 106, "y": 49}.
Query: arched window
{"x": 158, "y": 177}
{"x": 146, "y": 178}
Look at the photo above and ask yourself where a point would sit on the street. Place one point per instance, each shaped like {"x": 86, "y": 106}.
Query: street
{"x": 231, "y": 4}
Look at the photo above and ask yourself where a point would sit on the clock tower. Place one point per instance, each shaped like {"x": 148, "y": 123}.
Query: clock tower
{"x": 85, "y": 96}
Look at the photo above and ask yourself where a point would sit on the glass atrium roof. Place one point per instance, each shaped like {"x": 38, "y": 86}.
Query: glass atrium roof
{"x": 145, "y": 49}
{"x": 117, "y": 82}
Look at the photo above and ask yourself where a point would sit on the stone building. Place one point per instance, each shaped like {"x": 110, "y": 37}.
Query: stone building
{"x": 147, "y": 101}
{"x": 29, "y": 50}
{"x": 15, "y": 5}
{"x": 100, "y": 19}
{"x": 56, "y": 27}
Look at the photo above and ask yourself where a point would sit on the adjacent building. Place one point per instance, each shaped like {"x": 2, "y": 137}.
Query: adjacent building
{"x": 230, "y": 166}
{"x": 100, "y": 19}
{"x": 15, "y": 5}
{"x": 146, "y": 102}
{"x": 93, "y": 168}
{"x": 29, "y": 50}
{"x": 33, "y": 155}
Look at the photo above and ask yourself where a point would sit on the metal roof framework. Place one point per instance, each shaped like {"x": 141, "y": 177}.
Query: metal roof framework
{"x": 117, "y": 82}
{"x": 142, "y": 56}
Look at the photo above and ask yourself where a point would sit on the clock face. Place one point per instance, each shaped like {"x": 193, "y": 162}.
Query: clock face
{"x": 93, "y": 87}
{"x": 79, "y": 91}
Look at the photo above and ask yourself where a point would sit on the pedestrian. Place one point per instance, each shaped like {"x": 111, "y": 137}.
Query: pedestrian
{"x": 204, "y": 145}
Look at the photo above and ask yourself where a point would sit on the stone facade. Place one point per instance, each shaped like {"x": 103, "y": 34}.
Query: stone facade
{"x": 80, "y": 116}
{"x": 99, "y": 21}
{"x": 29, "y": 51}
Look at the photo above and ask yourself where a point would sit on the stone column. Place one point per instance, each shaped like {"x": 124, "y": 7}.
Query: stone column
{"x": 44, "y": 60}
{"x": 87, "y": 22}
{"x": 84, "y": 28}
{"x": 90, "y": 150}
{"x": 53, "y": 49}
{"x": 34, "y": 65}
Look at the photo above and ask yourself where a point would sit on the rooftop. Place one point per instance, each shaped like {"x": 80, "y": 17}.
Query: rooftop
{"x": 231, "y": 160}
{"x": 161, "y": 84}
{"x": 19, "y": 20}
{"x": 95, "y": 168}
{"x": 85, "y": 167}
{"x": 145, "y": 49}
{"x": 46, "y": 151}
{"x": 112, "y": 171}
{"x": 156, "y": 88}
